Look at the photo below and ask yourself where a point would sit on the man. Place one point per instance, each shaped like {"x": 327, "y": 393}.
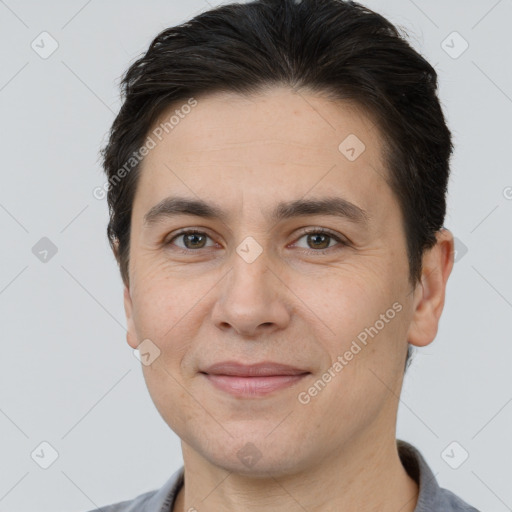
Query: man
{"x": 277, "y": 181}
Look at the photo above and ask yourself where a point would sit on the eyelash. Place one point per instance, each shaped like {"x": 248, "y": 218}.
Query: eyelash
{"x": 307, "y": 231}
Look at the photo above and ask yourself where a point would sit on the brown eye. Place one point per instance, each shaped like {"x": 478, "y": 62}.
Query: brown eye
{"x": 319, "y": 240}
{"x": 191, "y": 240}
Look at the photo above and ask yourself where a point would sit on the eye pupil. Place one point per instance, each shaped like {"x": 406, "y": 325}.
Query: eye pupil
{"x": 316, "y": 236}
{"x": 193, "y": 238}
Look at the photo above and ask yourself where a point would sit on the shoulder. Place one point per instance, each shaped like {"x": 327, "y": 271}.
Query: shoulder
{"x": 133, "y": 505}
{"x": 431, "y": 497}
{"x": 451, "y": 502}
{"x": 157, "y": 500}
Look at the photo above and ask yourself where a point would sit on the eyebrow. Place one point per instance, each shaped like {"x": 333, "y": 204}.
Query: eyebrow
{"x": 335, "y": 206}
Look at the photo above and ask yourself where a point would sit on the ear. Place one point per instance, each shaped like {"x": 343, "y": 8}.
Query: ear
{"x": 115, "y": 249}
{"x": 131, "y": 335}
{"x": 429, "y": 294}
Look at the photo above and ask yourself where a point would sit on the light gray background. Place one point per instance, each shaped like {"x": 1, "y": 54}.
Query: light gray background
{"x": 67, "y": 375}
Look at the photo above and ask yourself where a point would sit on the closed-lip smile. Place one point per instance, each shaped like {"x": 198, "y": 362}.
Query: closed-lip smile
{"x": 252, "y": 380}
{"x": 263, "y": 369}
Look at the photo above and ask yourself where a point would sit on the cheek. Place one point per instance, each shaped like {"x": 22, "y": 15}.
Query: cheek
{"x": 345, "y": 299}
{"x": 170, "y": 309}
{"x": 162, "y": 300}
{"x": 361, "y": 316}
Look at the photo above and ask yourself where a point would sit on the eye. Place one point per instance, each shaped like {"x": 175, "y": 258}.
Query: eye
{"x": 319, "y": 239}
{"x": 192, "y": 239}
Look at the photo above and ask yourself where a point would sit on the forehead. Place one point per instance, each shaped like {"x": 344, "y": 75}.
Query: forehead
{"x": 276, "y": 145}
{"x": 275, "y": 116}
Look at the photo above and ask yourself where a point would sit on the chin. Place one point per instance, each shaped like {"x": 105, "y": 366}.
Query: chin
{"x": 256, "y": 456}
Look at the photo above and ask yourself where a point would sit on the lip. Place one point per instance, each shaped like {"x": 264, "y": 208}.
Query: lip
{"x": 252, "y": 387}
{"x": 253, "y": 380}
{"x": 263, "y": 369}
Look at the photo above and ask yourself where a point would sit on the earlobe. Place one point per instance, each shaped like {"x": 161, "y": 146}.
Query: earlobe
{"x": 429, "y": 295}
{"x": 115, "y": 249}
{"x": 131, "y": 336}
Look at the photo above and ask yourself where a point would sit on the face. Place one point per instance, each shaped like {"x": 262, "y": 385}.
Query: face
{"x": 270, "y": 281}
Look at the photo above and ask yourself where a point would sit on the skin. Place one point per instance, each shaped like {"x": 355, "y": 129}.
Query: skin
{"x": 292, "y": 305}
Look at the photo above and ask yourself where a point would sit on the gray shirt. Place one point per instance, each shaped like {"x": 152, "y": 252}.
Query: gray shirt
{"x": 432, "y": 498}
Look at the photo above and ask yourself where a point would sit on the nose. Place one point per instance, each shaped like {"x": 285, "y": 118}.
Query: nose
{"x": 252, "y": 299}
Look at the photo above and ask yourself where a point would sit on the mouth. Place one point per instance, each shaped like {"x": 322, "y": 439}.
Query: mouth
{"x": 254, "y": 380}
{"x": 250, "y": 387}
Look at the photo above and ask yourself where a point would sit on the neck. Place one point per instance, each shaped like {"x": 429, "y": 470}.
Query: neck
{"x": 362, "y": 477}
